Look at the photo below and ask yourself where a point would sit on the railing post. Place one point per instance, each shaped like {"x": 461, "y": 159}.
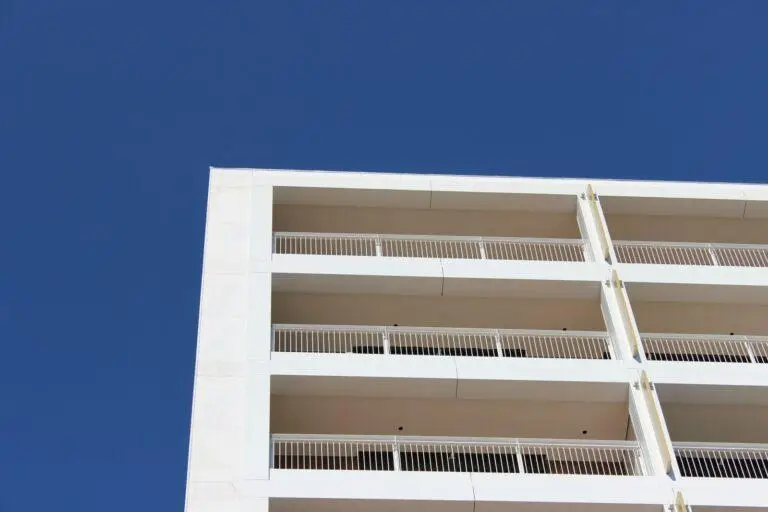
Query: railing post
{"x": 712, "y": 255}
{"x": 586, "y": 252}
{"x": 643, "y": 466}
{"x": 385, "y": 340}
{"x": 499, "y": 348}
{"x": 396, "y": 456}
{"x": 519, "y": 456}
{"x": 750, "y": 352}
{"x": 481, "y": 247}
{"x": 609, "y": 344}
{"x": 378, "y": 246}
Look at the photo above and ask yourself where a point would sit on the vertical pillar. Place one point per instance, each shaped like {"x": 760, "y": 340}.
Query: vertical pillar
{"x": 644, "y": 431}
{"x": 593, "y": 227}
{"x": 620, "y": 332}
{"x": 620, "y": 320}
{"x": 651, "y": 427}
{"x": 259, "y": 329}
{"x": 229, "y": 374}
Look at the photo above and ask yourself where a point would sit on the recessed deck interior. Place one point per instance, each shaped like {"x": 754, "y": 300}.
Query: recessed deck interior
{"x": 437, "y": 311}
{"x": 424, "y": 213}
{"x": 685, "y": 220}
{"x": 367, "y": 416}
{"x": 717, "y": 431}
{"x": 401, "y": 221}
{"x": 714, "y": 414}
{"x": 699, "y": 329}
{"x": 700, "y": 317}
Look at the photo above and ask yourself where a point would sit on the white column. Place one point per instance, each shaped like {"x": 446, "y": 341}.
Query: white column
{"x": 230, "y": 374}
{"x": 588, "y": 229}
{"x": 651, "y": 428}
{"x": 593, "y": 227}
{"x": 620, "y": 321}
{"x": 257, "y": 449}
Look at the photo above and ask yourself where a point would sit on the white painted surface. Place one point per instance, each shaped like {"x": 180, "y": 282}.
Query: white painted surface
{"x": 569, "y": 489}
{"x": 372, "y": 485}
{"x": 237, "y": 377}
{"x": 410, "y": 376}
{"x": 312, "y": 179}
{"x": 724, "y": 492}
{"x": 229, "y": 438}
{"x": 468, "y": 488}
{"x": 695, "y": 284}
{"x": 706, "y": 378}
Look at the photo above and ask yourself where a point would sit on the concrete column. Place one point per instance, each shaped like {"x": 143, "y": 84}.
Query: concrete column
{"x": 620, "y": 322}
{"x": 259, "y": 331}
{"x": 651, "y": 428}
{"x": 230, "y": 409}
{"x": 618, "y": 308}
{"x": 589, "y": 230}
{"x": 589, "y": 215}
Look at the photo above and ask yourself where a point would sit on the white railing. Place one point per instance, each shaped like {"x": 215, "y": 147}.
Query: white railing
{"x": 722, "y": 460}
{"x": 673, "y": 253}
{"x": 439, "y": 454}
{"x": 425, "y": 246}
{"x": 426, "y": 341}
{"x": 705, "y": 348}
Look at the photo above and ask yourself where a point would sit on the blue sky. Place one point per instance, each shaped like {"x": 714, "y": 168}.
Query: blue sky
{"x": 111, "y": 113}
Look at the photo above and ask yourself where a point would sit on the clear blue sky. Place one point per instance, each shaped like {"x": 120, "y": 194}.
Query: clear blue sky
{"x": 111, "y": 113}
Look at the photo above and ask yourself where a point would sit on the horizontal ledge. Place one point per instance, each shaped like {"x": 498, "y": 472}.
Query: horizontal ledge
{"x": 464, "y": 440}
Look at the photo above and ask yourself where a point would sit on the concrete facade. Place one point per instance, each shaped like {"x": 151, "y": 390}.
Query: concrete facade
{"x": 496, "y": 291}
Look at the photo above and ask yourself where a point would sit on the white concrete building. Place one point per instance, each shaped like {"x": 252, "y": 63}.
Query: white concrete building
{"x": 386, "y": 342}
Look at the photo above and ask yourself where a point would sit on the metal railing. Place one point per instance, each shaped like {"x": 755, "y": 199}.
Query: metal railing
{"x": 700, "y": 348}
{"x": 425, "y": 341}
{"x": 438, "y": 454}
{"x": 673, "y": 253}
{"x": 709, "y": 460}
{"x": 426, "y": 246}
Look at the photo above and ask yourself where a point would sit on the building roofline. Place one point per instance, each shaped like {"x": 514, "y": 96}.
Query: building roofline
{"x": 705, "y": 194}
{"x": 490, "y": 174}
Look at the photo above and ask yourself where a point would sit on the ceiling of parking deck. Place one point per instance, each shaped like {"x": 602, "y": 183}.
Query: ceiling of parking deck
{"x": 725, "y": 208}
{"x": 685, "y": 292}
{"x": 699, "y": 394}
{"x": 426, "y": 199}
